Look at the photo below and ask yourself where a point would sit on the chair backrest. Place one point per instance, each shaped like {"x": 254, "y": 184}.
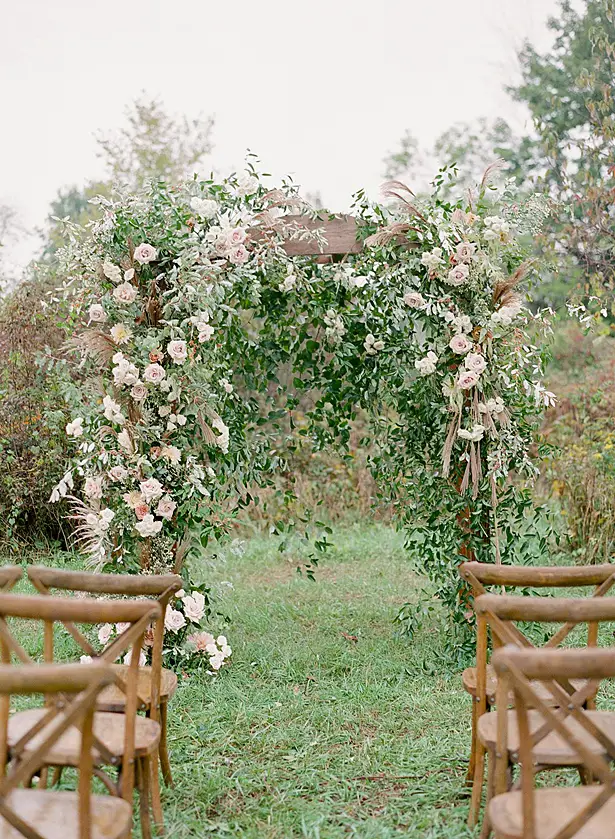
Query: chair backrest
{"x": 162, "y": 587}
{"x": 134, "y": 615}
{"x": 481, "y": 575}
{"x": 520, "y": 670}
{"x": 9, "y": 575}
{"x": 83, "y": 683}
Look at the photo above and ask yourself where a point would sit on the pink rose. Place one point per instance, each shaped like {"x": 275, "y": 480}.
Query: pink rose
{"x": 138, "y": 391}
{"x": 166, "y": 507}
{"x": 177, "y": 350}
{"x": 460, "y": 344}
{"x": 414, "y": 299}
{"x": 145, "y": 253}
{"x": 141, "y": 510}
{"x": 200, "y": 641}
{"x": 154, "y": 373}
{"x": 237, "y": 236}
{"x": 467, "y": 379}
{"x": 238, "y": 255}
{"x": 117, "y": 473}
{"x": 458, "y": 275}
{"x": 465, "y": 251}
{"x": 476, "y": 362}
{"x": 93, "y": 487}
{"x": 173, "y": 619}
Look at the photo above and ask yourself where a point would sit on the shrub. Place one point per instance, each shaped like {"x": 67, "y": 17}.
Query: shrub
{"x": 582, "y": 427}
{"x": 32, "y": 448}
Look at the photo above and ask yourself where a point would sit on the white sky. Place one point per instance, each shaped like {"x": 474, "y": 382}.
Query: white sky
{"x": 321, "y": 89}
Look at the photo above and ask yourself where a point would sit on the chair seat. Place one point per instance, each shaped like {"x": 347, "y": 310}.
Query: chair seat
{"x": 553, "y": 750}
{"x": 55, "y": 815}
{"x": 555, "y": 808}
{"x": 109, "y": 728}
{"x": 468, "y": 678}
{"x": 113, "y": 698}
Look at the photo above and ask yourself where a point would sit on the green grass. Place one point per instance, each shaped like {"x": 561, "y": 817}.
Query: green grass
{"x": 326, "y": 724}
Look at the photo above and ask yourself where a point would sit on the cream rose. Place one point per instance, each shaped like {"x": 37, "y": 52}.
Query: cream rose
{"x": 148, "y": 527}
{"x": 138, "y": 391}
{"x": 125, "y": 293}
{"x": 166, "y": 507}
{"x": 194, "y": 606}
{"x": 458, "y": 275}
{"x": 145, "y": 253}
{"x": 414, "y": 299}
{"x": 460, "y": 344}
{"x": 117, "y": 473}
{"x": 476, "y": 362}
{"x": 97, "y": 314}
{"x": 178, "y": 351}
{"x": 173, "y": 619}
{"x": 151, "y": 489}
{"x": 238, "y": 255}
{"x": 154, "y": 373}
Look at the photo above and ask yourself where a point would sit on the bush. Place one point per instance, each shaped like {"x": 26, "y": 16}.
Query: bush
{"x": 582, "y": 426}
{"x": 32, "y": 421}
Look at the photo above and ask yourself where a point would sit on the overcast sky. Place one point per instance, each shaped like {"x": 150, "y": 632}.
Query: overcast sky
{"x": 322, "y": 89}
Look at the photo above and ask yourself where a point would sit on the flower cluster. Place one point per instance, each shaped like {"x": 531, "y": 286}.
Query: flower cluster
{"x": 159, "y": 431}
{"x": 183, "y": 623}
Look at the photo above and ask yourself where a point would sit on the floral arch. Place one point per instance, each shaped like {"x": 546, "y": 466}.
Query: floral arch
{"x": 193, "y": 297}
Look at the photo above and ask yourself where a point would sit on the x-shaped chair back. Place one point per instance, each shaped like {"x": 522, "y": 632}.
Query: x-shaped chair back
{"x": 520, "y": 670}
{"x": 9, "y": 576}
{"x": 482, "y": 575}
{"x": 162, "y": 587}
{"x": 80, "y": 684}
{"x": 136, "y": 615}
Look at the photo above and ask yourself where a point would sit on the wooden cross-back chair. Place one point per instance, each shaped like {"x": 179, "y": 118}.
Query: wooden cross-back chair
{"x": 156, "y": 685}
{"x": 46, "y": 814}
{"x": 480, "y": 681}
{"x": 553, "y": 812}
{"x": 126, "y": 742}
{"x": 10, "y": 575}
{"x": 500, "y": 613}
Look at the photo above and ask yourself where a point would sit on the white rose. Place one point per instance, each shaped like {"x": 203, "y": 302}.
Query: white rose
{"x": 75, "y": 427}
{"x": 204, "y": 207}
{"x": 475, "y": 434}
{"x": 97, "y": 313}
{"x": 145, "y": 253}
{"x": 151, "y": 489}
{"x": 223, "y": 440}
{"x": 458, "y": 275}
{"x": 125, "y": 293}
{"x": 111, "y": 271}
{"x": 178, "y": 351}
{"x": 460, "y": 344}
{"x": 194, "y": 606}
{"x": 462, "y": 323}
{"x": 427, "y": 365}
{"x": 148, "y": 526}
{"x": 247, "y": 185}
{"x": 475, "y": 362}
{"x": 432, "y": 259}
{"x": 414, "y": 299}
{"x": 113, "y": 410}
{"x": 228, "y": 387}
{"x": 205, "y": 332}
{"x": 173, "y": 619}
{"x": 154, "y": 373}
{"x": 142, "y": 658}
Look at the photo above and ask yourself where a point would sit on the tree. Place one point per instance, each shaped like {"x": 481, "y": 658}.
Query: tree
{"x": 152, "y": 145}
{"x": 569, "y": 92}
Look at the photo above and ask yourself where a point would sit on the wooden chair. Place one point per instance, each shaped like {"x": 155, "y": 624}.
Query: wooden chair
{"x": 126, "y": 742}
{"x": 9, "y": 576}
{"x": 564, "y": 812}
{"x": 482, "y": 575}
{"x": 500, "y": 613}
{"x": 156, "y": 685}
{"x": 44, "y": 814}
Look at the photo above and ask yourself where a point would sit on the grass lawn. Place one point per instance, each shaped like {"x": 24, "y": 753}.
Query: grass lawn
{"x": 326, "y": 724}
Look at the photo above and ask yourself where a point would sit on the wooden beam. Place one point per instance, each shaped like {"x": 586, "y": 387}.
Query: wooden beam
{"x": 340, "y": 233}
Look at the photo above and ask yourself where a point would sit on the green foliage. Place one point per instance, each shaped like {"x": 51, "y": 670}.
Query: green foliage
{"x": 581, "y": 427}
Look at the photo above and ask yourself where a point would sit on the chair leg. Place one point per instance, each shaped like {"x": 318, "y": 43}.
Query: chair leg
{"x": 485, "y": 832}
{"x": 165, "y": 763}
{"x": 152, "y": 766}
{"x": 477, "y": 787}
{"x": 472, "y": 762}
{"x": 142, "y": 778}
{"x": 586, "y": 777}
